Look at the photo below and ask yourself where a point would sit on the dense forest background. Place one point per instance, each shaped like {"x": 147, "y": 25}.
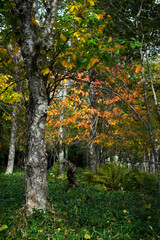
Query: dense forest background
{"x": 79, "y": 119}
{"x": 103, "y": 84}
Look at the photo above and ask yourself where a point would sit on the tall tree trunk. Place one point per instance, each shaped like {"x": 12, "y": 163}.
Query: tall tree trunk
{"x": 36, "y": 182}
{"x": 61, "y": 151}
{"x": 159, "y": 172}
{"x": 153, "y": 89}
{"x": 12, "y": 146}
{"x": 150, "y": 131}
{"x": 93, "y": 128}
{"x": 61, "y": 131}
{"x": 32, "y": 45}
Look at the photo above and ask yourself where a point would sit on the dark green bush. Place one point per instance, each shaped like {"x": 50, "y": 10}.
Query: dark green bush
{"x": 141, "y": 180}
{"x": 114, "y": 176}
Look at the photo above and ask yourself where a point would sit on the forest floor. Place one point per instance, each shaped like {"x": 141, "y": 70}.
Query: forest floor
{"x": 84, "y": 212}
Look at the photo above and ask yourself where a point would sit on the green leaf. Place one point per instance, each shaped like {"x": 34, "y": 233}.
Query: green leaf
{"x": 117, "y": 51}
{"x": 87, "y": 236}
{"x": 3, "y": 227}
{"x": 132, "y": 45}
{"x": 138, "y": 44}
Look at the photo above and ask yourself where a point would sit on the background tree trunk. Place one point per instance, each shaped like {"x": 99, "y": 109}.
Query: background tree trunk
{"x": 61, "y": 132}
{"x": 93, "y": 131}
{"x": 12, "y": 146}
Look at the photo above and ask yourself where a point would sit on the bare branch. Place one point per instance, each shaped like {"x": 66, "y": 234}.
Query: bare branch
{"x": 140, "y": 9}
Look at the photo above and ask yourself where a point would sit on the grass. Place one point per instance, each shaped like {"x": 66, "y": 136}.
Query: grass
{"x": 85, "y": 212}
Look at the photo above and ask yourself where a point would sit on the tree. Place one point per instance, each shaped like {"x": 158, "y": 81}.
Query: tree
{"x": 61, "y": 129}
{"x": 43, "y": 42}
{"x": 11, "y": 99}
{"x": 12, "y": 147}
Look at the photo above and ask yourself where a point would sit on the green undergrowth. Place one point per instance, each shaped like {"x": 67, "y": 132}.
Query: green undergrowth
{"x": 115, "y": 176}
{"x": 83, "y": 212}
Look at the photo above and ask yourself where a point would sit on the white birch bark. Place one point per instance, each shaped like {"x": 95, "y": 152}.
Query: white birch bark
{"x": 61, "y": 132}
{"x": 36, "y": 182}
{"x": 150, "y": 131}
{"x": 93, "y": 132}
{"x": 12, "y": 146}
{"x": 149, "y": 125}
{"x": 153, "y": 89}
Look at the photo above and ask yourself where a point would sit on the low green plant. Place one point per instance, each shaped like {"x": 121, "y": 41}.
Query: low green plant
{"x": 140, "y": 180}
{"x": 110, "y": 176}
{"x": 55, "y": 171}
{"x": 114, "y": 176}
{"x": 85, "y": 212}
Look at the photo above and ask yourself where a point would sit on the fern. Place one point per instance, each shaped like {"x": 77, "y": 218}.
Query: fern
{"x": 114, "y": 176}
{"x": 111, "y": 176}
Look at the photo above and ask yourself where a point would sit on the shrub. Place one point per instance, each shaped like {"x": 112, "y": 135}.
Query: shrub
{"x": 141, "y": 180}
{"x": 111, "y": 176}
{"x": 114, "y": 176}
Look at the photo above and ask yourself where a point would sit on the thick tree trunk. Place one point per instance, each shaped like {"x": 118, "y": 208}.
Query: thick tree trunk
{"x": 36, "y": 182}
{"x": 12, "y": 145}
{"x": 32, "y": 46}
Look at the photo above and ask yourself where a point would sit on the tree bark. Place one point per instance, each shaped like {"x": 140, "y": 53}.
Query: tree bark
{"x": 93, "y": 131}
{"x": 92, "y": 157}
{"x": 71, "y": 173}
{"x": 61, "y": 132}
{"x": 12, "y": 146}
{"x": 150, "y": 131}
{"x": 159, "y": 173}
{"x": 153, "y": 89}
{"x": 36, "y": 182}
{"x": 149, "y": 125}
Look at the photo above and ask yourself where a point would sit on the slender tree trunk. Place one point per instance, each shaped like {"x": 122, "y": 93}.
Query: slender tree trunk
{"x": 153, "y": 89}
{"x": 66, "y": 151}
{"x": 153, "y": 146}
{"x": 12, "y": 146}
{"x": 152, "y": 162}
{"x": 61, "y": 151}
{"x": 93, "y": 131}
{"x": 159, "y": 172}
{"x": 92, "y": 157}
{"x": 61, "y": 132}
{"x": 150, "y": 132}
